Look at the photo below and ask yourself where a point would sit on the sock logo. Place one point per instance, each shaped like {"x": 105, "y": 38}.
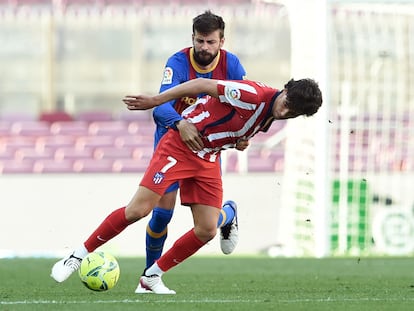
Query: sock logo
{"x": 100, "y": 238}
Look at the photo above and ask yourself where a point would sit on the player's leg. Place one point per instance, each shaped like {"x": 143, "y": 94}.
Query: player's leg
{"x": 157, "y": 228}
{"x": 228, "y": 224}
{"x": 205, "y": 228}
{"x": 229, "y": 227}
{"x": 207, "y": 189}
{"x": 140, "y": 206}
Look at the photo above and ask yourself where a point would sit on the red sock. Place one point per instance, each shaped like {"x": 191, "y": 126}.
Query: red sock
{"x": 183, "y": 248}
{"x": 114, "y": 224}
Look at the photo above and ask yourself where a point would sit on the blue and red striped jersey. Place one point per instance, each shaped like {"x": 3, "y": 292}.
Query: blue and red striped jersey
{"x": 180, "y": 68}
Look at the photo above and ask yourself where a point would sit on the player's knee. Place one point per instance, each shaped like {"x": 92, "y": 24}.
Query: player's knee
{"x": 205, "y": 234}
{"x": 162, "y": 216}
{"x": 137, "y": 211}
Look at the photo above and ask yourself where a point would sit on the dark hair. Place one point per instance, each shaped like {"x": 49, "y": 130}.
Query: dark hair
{"x": 207, "y": 23}
{"x": 303, "y": 96}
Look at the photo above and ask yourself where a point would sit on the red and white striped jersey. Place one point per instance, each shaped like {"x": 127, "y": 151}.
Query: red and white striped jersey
{"x": 243, "y": 108}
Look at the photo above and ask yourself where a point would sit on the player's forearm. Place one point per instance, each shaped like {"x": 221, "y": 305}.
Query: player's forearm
{"x": 165, "y": 115}
{"x": 189, "y": 88}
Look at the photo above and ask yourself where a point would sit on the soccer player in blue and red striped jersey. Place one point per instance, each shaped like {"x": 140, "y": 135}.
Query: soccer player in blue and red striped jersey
{"x": 231, "y": 110}
{"x": 205, "y": 59}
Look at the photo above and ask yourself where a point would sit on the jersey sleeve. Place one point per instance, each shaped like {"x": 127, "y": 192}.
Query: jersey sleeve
{"x": 242, "y": 95}
{"x": 235, "y": 70}
{"x": 175, "y": 70}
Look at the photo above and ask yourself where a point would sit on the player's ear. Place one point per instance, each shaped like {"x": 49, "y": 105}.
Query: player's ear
{"x": 222, "y": 42}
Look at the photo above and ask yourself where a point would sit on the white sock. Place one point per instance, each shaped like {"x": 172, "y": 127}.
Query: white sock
{"x": 154, "y": 269}
{"x": 81, "y": 252}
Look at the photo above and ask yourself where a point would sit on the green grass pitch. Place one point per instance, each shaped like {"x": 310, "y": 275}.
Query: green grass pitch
{"x": 222, "y": 283}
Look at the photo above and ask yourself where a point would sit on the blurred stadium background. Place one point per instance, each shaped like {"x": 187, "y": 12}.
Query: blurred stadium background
{"x": 336, "y": 184}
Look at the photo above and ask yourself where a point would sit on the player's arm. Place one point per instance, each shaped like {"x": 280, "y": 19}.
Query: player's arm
{"x": 235, "y": 69}
{"x": 166, "y": 115}
{"x": 189, "y": 88}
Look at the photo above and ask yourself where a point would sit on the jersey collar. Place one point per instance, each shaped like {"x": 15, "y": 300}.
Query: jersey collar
{"x": 267, "y": 122}
{"x": 198, "y": 68}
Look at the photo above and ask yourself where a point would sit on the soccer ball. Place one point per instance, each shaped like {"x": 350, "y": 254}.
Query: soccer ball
{"x": 99, "y": 271}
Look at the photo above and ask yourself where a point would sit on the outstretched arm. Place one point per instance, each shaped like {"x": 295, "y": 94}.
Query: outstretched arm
{"x": 189, "y": 88}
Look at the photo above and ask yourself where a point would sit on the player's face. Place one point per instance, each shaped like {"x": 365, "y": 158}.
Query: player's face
{"x": 206, "y": 47}
{"x": 280, "y": 108}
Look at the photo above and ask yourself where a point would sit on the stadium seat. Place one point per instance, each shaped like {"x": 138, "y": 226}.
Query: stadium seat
{"x": 131, "y": 116}
{"x": 130, "y": 165}
{"x": 47, "y": 166}
{"x": 30, "y": 128}
{"x": 5, "y": 128}
{"x": 108, "y": 128}
{"x": 33, "y": 153}
{"x": 14, "y": 166}
{"x": 230, "y": 162}
{"x": 7, "y": 153}
{"x": 93, "y": 166}
{"x": 132, "y": 141}
{"x": 146, "y": 128}
{"x": 143, "y": 152}
{"x": 92, "y": 116}
{"x": 55, "y": 141}
{"x": 73, "y": 153}
{"x": 69, "y": 128}
{"x": 94, "y": 141}
{"x": 265, "y": 160}
{"x": 112, "y": 153}
{"x": 18, "y": 116}
{"x": 17, "y": 141}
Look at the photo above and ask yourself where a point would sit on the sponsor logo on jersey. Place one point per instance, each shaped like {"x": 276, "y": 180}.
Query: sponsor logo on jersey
{"x": 168, "y": 75}
{"x": 189, "y": 101}
{"x": 158, "y": 178}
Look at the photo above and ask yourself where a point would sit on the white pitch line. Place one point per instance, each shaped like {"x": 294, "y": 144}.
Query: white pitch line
{"x": 40, "y": 302}
{"x": 344, "y": 299}
{"x": 126, "y": 301}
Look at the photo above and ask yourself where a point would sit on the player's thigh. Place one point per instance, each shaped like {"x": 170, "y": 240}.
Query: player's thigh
{"x": 141, "y": 204}
{"x": 168, "y": 200}
{"x": 207, "y": 191}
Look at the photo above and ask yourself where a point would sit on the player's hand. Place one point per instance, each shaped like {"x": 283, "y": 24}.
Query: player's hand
{"x": 139, "y": 102}
{"x": 242, "y": 144}
{"x": 190, "y": 135}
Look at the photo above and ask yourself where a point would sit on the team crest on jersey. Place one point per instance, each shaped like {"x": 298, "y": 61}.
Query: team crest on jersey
{"x": 233, "y": 93}
{"x": 158, "y": 178}
{"x": 168, "y": 76}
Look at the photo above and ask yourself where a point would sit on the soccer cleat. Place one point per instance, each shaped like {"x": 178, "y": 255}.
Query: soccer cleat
{"x": 142, "y": 290}
{"x": 229, "y": 234}
{"x": 152, "y": 285}
{"x": 65, "y": 267}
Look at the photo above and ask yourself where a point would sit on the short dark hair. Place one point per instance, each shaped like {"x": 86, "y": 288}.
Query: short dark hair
{"x": 207, "y": 23}
{"x": 303, "y": 96}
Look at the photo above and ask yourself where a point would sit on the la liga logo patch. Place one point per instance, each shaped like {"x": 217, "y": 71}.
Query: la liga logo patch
{"x": 168, "y": 75}
{"x": 233, "y": 93}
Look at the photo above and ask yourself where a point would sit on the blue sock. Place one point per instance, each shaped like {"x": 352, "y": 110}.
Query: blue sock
{"x": 157, "y": 234}
{"x": 227, "y": 215}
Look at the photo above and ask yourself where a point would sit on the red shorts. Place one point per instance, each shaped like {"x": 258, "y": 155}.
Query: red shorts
{"x": 200, "y": 180}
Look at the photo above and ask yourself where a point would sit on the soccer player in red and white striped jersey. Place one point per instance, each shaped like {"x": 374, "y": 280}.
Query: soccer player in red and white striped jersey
{"x": 232, "y": 110}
